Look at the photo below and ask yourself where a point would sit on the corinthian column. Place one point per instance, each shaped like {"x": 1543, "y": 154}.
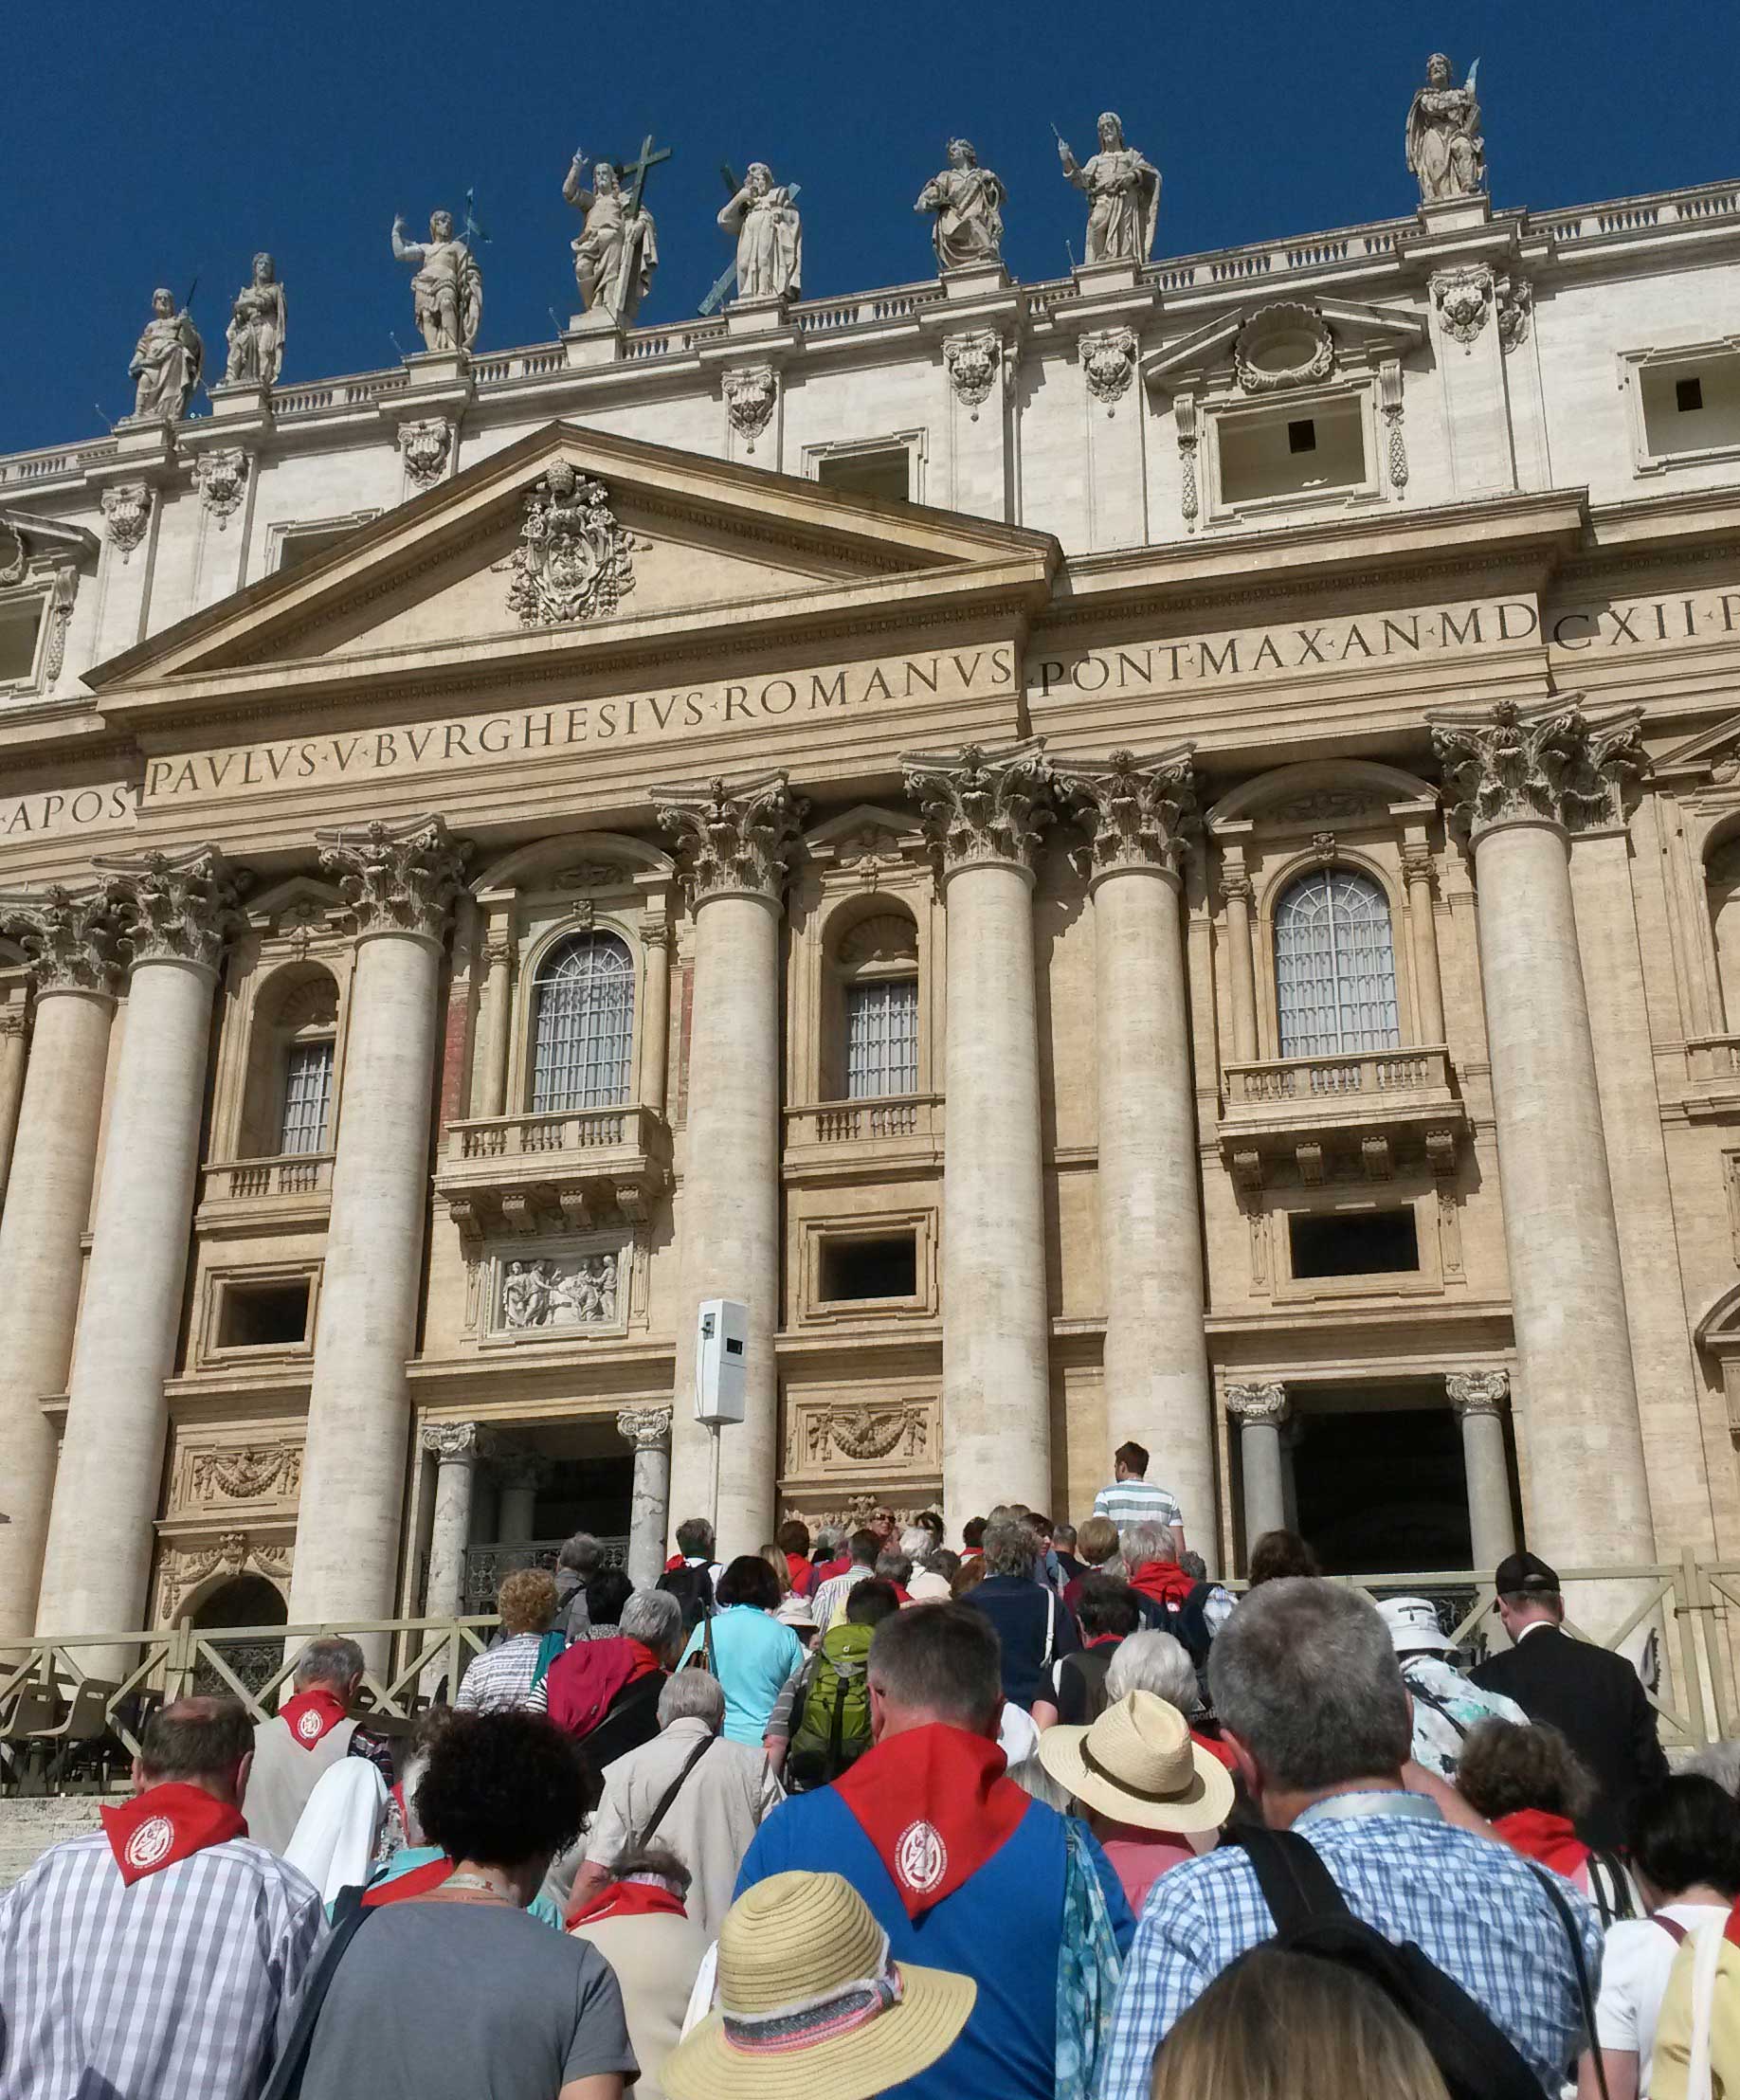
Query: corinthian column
{"x": 71, "y": 943}
{"x": 14, "y": 1039}
{"x": 400, "y": 881}
{"x": 984, "y": 814}
{"x": 733, "y": 845}
{"x": 456, "y": 1446}
{"x": 648, "y": 1429}
{"x": 1259, "y": 1410}
{"x": 1479, "y": 1399}
{"x": 1140, "y": 813}
{"x": 1519, "y": 785}
{"x": 178, "y": 910}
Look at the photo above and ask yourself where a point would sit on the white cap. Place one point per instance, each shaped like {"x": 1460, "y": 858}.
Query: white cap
{"x": 1413, "y": 1625}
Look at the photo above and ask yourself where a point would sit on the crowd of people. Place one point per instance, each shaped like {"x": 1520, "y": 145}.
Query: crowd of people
{"x": 1055, "y": 1814}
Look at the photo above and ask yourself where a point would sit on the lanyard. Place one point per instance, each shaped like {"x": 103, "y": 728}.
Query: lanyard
{"x": 1347, "y": 1809}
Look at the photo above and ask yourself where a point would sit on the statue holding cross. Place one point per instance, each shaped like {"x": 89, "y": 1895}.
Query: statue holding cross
{"x": 618, "y": 248}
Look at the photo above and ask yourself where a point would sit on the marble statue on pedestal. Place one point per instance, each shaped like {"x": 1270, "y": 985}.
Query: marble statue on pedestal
{"x": 447, "y": 290}
{"x": 618, "y": 248}
{"x": 1123, "y": 194}
{"x": 770, "y": 236}
{"x": 1444, "y": 147}
{"x": 166, "y": 363}
{"x": 257, "y": 326}
{"x": 967, "y": 201}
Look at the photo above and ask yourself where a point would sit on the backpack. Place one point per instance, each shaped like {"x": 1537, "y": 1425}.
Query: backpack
{"x": 1476, "y": 2061}
{"x": 693, "y": 1589}
{"x": 835, "y": 1728}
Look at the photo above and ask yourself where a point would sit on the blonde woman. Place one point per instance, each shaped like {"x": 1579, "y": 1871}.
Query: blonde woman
{"x": 503, "y": 1678}
{"x": 1280, "y": 2026}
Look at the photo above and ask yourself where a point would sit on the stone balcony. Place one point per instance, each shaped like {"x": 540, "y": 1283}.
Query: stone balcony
{"x": 846, "y": 1138}
{"x": 1368, "y": 1108}
{"x": 535, "y": 1174}
{"x": 239, "y": 1195}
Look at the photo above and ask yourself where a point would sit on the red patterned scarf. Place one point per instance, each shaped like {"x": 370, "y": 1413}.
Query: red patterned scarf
{"x": 1165, "y": 1581}
{"x": 625, "y": 1900}
{"x": 166, "y": 1823}
{"x": 310, "y": 1716}
{"x": 414, "y": 1881}
{"x": 935, "y": 1804}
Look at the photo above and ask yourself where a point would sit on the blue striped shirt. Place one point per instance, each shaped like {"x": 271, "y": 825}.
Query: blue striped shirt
{"x": 1127, "y": 1502}
{"x": 1473, "y": 1906}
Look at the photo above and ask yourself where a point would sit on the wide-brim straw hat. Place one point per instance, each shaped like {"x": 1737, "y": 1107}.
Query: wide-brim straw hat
{"x": 806, "y": 1947}
{"x": 1140, "y": 1765}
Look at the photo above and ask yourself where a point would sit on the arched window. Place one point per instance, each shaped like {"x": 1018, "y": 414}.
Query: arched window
{"x": 1334, "y": 966}
{"x": 875, "y": 966}
{"x": 583, "y": 1024}
{"x": 288, "y": 1099}
{"x": 1722, "y": 879}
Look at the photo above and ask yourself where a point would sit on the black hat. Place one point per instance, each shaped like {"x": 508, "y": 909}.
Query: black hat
{"x": 1523, "y": 1572}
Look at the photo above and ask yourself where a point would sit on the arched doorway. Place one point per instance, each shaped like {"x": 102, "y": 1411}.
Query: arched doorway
{"x": 244, "y": 1601}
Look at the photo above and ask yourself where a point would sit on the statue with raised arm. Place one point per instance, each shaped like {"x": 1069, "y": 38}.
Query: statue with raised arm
{"x": 255, "y": 332}
{"x": 1123, "y": 194}
{"x": 447, "y": 290}
{"x": 618, "y": 248}
{"x": 167, "y": 362}
{"x": 1444, "y": 148}
{"x": 770, "y": 236}
{"x": 967, "y": 201}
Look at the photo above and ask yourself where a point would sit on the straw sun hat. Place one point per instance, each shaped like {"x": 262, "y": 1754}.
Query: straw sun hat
{"x": 1138, "y": 1764}
{"x": 810, "y": 2004}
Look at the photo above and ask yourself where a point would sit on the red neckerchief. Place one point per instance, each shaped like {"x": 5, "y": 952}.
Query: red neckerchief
{"x": 166, "y": 1823}
{"x": 675, "y": 1561}
{"x": 310, "y": 1716}
{"x": 625, "y": 1900}
{"x": 828, "y": 1569}
{"x": 1165, "y": 1581}
{"x": 1731, "y": 1932}
{"x": 1548, "y": 1838}
{"x": 584, "y": 1679}
{"x": 418, "y": 1881}
{"x": 934, "y": 1803}
{"x": 1101, "y": 1640}
{"x": 803, "y": 1575}
{"x": 1215, "y": 1748}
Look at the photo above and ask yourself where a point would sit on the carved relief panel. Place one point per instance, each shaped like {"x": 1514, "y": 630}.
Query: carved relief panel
{"x": 889, "y": 1435}
{"x": 558, "y": 1289}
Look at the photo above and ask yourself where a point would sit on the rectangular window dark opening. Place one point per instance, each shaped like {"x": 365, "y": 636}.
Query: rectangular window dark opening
{"x": 870, "y": 1268}
{"x": 885, "y": 472}
{"x": 1688, "y": 395}
{"x": 1302, "y": 436}
{"x": 264, "y": 1315}
{"x": 1367, "y": 1243}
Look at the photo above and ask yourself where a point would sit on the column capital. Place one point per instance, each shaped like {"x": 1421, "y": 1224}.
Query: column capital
{"x": 456, "y": 1442}
{"x": 978, "y": 805}
{"x": 396, "y": 878}
{"x": 1263, "y": 1403}
{"x": 1139, "y": 813}
{"x": 14, "y": 1021}
{"x": 1542, "y": 765}
{"x": 71, "y": 938}
{"x": 647, "y": 1428}
{"x": 177, "y": 906}
{"x": 1418, "y": 864}
{"x": 734, "y": 839}
{"x": 1479, "y": 1392}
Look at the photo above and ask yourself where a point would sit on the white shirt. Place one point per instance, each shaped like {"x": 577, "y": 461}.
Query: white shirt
{"x": 1127, "y": 1502}
{"x": 1633, "y": 1977}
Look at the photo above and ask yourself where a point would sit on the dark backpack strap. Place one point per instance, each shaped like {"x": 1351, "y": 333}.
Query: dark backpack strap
{"x": 675, "y": 1788}
{"x": 1586, "y": 1994}
{"x": 348, "y": 1919}
{"x": 1672, "y": 1927}
{"x": 1296, "y": 1884}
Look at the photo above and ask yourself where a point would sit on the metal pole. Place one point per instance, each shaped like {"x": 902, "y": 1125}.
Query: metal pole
{"x": 713, "y": 1499}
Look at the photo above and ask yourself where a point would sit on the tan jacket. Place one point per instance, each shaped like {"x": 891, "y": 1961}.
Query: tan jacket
{"x": 1671, "y": 2071}
{"x": 656, "y": 1958}
{"x": 283, "y": 1776}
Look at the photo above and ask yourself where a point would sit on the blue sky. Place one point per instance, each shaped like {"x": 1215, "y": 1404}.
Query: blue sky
{"x": 153, "y": 144}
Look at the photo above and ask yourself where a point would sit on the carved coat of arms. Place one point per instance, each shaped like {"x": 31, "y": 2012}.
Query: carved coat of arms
{"x": 573, "y": 562}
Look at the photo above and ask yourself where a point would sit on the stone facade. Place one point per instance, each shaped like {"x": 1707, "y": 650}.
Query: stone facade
{"x": 1218, "y": 921}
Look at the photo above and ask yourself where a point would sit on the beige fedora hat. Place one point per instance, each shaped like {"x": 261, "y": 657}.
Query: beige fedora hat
{"x": 810, "y": 2004}
{"x": 1138, "y": 1764}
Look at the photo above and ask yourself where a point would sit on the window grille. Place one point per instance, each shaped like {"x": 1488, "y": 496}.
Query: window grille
{"x": 1334, "y": 966}
{"x": 308, "y": 1092}
{"x": 583, "y": 1037}
{"x": 882, "y": 1038}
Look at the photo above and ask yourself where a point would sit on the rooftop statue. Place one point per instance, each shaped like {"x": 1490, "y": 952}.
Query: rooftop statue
{"x": 967, "y": 201}
{"x": 447, "y": 290}
{"x": 1123, "y": 194}
{"x": 770, "y": 236}
{"x": 166, "y": 363}
{"x": 255, "y": 332}
{"x": 618, "y": 248}
{"x": 1444, "y": 147}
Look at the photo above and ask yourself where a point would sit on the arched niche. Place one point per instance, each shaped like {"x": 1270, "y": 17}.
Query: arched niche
{"x": 290, "y": 1088}
{"x": 872, "y": 997}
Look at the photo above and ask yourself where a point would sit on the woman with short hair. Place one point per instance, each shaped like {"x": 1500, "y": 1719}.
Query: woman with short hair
{"x": 1533, "y": 1789}
{"x": 456, "y": 1990}
{"x": 501, "y": 1679}
{"x": 746, "y": 1648}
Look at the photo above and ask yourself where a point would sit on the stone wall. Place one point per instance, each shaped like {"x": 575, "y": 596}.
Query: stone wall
{"x": 27, "y": 1828}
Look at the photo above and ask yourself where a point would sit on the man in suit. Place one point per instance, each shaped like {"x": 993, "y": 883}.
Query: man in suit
{"x": 1590, "y": 1695}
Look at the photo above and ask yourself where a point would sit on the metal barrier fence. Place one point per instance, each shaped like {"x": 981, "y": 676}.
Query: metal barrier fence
{"x": 63, "y": 1722}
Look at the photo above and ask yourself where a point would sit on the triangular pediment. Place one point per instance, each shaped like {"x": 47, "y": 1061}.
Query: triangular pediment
{"x": 496, "y": 564}
{"x": 1713, "y": 754}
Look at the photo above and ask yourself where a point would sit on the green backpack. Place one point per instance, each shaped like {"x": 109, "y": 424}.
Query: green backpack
{"x": 835, "y": 1727}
